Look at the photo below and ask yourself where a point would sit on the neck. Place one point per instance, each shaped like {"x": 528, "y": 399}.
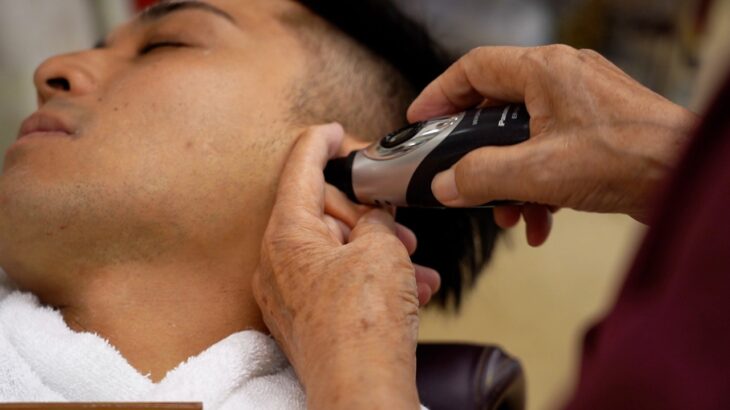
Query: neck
{"x": 157, "y": 316}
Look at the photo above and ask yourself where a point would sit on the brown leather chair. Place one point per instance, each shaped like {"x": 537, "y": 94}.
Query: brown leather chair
{"x": 468, "y": 377}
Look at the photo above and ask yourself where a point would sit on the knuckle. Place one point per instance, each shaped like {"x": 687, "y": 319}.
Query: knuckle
{"x": 474, "y": 61}
{"x": 532, "y": 57}
{"x": 560, "y": 49}
{"x": 549, "y": 55}
{"x": 470, "y": 63}
{"x": 592, "y": 60}
{"x": 588, "y": 54}
{"x": 476, "y": 52}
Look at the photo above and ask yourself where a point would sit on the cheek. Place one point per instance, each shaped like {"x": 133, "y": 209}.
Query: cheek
{"x": 184, "y": 113}
{"x": 192, "y": 135}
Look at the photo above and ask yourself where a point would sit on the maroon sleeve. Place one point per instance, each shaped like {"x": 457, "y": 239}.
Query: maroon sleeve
{"x": 666, "y": 342}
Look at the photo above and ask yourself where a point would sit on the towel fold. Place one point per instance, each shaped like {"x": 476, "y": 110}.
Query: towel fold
{"x": 41, "y": 359}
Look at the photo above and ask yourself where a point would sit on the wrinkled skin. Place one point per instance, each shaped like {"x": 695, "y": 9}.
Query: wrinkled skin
{"x": 326, "y": 291}
{"x": 600, "y": 141}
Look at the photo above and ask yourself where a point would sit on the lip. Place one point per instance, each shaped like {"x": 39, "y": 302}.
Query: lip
{"x": 46, "y": 124}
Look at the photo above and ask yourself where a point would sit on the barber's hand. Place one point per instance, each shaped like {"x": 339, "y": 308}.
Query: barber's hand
{"x": 600, "y": 141}
{"x": 339, "y": 292}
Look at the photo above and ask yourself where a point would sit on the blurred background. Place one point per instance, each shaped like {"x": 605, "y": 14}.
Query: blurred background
{"x": 536, "y": 303}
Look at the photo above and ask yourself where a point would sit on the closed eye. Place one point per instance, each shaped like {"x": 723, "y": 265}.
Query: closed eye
{"x": 161, "y": 44}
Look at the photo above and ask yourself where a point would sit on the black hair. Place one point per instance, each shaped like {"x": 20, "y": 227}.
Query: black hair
{"x": 456, "y": 242}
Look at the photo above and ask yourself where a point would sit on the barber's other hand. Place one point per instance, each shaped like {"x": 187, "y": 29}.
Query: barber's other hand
{"x": 342, "y": 303}
{"x": 600, "y": 141}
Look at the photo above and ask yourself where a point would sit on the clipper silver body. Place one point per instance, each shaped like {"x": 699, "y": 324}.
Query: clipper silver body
{"x": 398, "y": 169}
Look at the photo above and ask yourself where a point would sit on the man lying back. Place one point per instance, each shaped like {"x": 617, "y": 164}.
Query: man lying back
{"x": 134, "y": 200}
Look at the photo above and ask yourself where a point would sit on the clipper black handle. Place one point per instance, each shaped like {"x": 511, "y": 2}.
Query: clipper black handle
{"x": 338, "y": 172}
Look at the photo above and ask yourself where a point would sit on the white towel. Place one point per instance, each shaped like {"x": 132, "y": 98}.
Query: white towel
{"x": 41, "y": 359}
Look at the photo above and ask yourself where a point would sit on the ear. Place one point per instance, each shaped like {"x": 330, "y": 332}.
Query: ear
{"x": 351, "y": 143}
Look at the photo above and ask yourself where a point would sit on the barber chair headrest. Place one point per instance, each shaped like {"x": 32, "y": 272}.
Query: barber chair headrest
{"x": 468, "y": 377}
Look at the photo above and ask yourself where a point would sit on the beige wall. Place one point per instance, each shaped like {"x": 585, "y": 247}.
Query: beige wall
{"x": 537, "y": 302}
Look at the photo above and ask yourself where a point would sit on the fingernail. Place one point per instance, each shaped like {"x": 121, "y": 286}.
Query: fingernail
{"x": 444, "y": 186}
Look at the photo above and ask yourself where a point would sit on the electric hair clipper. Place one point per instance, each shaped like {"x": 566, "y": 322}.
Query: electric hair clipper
{"x": 398, "y": 169}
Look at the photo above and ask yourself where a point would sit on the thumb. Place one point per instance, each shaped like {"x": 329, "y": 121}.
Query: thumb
{"x": 376, "y": 221}
{"x": 489, "y": 174}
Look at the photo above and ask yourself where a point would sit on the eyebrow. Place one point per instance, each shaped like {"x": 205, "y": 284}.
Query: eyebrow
{"x": 165, "y": 8}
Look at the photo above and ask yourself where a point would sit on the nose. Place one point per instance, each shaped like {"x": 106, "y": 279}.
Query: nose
{"x": 67, "y": 74}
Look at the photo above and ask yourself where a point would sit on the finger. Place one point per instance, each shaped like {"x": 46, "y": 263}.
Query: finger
{"x": 428, "y": 276}
{"x": 374, "y": 221}
{"x": 301, "y": 186}
{"x": 538, "y": 220}
{"x": 507, "y": 216}
{"x": 493, "y": 173}
{"x": 344, "y": 228}
{"x": 351, "y": 143}
{"x": 338, "y": 205}
{"x": 486, "y": 72}
{"x": 424, "y": 294}
{"x": 407, "y": 237}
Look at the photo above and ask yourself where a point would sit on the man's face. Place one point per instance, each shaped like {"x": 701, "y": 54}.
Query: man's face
{"x": 178, "y": 129}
